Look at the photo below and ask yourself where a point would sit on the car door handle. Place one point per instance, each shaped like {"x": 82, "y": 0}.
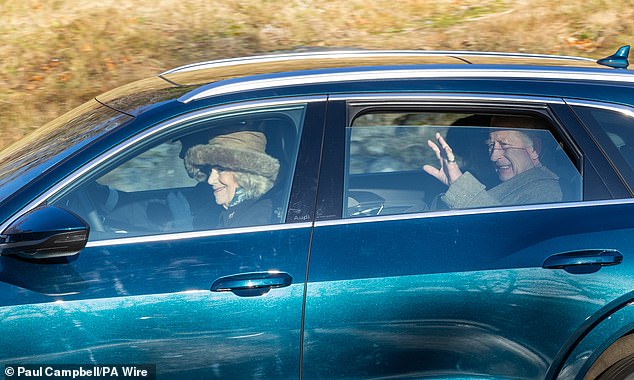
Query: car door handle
{"x": 590, "y": 257}
{"x": 254, "y": 283}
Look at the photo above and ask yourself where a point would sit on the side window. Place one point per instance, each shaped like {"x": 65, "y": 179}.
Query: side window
{"x": 170, "y": 172}
{"x": 618, "y": 127}
{"x": 399, "y": 163}
{"x": 219, "y": 171}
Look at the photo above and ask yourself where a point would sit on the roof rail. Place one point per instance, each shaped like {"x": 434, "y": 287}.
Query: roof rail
{"x": 337, "y": 54}
{"x": 322, "y": 76}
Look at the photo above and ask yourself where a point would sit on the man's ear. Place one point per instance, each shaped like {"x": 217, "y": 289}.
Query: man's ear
{"x": 532, "y": 152}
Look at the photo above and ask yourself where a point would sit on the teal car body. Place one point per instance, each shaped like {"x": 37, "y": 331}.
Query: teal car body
{"x": 363, "y": 273}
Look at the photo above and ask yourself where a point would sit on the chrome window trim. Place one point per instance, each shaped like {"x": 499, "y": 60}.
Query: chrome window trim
{"x": 359, "y": 99}
{"x": 151, "y": 132}
{"x": 626, "y": 110}
{"x": 338, "y": 54}
{"x": 258, "y": 82}
{"x": 474, "y": 211}
{"x": 195, "y": 234}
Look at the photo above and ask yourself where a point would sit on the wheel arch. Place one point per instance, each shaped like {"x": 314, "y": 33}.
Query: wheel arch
{"x": 609, "y": 341}
{"x": 620, "y": 349}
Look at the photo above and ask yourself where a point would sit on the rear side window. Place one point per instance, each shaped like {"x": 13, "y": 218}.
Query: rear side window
{"x": 613, "y": 128}
{"x": 398, "y": 163}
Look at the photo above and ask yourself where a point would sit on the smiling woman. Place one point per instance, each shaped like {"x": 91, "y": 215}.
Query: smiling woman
{"x": 218, "y": 171}
{"x": 240, "y": 173}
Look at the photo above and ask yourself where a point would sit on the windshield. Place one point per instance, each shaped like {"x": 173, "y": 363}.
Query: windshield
{"x": 26, "y": 159}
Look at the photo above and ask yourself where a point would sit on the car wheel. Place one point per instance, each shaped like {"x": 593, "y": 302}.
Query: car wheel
{"x": 621, "y": 370}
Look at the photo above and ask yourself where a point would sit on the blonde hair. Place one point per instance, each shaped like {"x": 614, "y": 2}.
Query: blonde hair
{"x": 254, "y": 185}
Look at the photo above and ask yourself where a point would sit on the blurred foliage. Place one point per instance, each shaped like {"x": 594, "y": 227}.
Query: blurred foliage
{"x": 385, "y": 142}
{"x": 54, "y": 55}
{"x": 157, "y": 168}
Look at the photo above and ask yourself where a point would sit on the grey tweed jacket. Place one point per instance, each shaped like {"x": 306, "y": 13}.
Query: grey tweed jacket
{"x": 537, "y": 185}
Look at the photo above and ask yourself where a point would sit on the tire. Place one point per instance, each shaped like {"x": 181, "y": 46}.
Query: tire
{"x": 621, "y": 370}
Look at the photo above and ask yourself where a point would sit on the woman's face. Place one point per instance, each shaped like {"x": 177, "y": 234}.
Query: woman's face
{"x": 224, "y": 185}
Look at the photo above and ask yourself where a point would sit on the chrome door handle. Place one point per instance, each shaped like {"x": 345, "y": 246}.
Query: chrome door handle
{"x": 594, "y": 257}
{"x": 253, "y": 283}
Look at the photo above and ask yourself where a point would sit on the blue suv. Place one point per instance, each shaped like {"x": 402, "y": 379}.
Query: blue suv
{"x": 331, "y": 214}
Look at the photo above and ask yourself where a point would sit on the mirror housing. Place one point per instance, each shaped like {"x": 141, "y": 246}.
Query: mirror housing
{"x": 43, "y": 233}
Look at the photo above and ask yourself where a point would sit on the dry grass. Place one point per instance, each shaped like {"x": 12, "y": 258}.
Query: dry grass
{"x": 56, "y": 54}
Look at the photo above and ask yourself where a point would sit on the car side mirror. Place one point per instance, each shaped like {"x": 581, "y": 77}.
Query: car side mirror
{"x": 45, "y": 232}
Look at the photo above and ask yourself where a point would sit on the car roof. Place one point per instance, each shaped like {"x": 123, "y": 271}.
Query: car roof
{"x": 206, "y": 79}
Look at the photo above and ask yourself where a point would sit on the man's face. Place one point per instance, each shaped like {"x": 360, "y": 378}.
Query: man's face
{"x": 511, "y": 153}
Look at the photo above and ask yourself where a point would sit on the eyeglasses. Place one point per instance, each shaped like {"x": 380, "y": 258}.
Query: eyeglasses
{"x": 206, "y": 169}
{"x": 491, "y": 145}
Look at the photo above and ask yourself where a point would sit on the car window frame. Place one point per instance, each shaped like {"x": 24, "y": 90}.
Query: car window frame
{"x": 601, "y": 182}
{"x": 623, "y": 169}
{"x": 301, "y": 197}
{"x": 331, "y": 192}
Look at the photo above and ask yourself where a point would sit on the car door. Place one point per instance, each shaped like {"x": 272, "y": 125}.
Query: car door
{"x": 161, "y": 283}
{"x": 405, "y": 284}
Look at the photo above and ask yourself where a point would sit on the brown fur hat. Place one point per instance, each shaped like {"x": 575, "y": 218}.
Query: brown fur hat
{"x": 239, "y": 151}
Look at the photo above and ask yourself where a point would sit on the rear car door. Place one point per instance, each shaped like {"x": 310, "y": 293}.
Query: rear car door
{"x": 161, "y": 282}
{"x": 405, "y": 281}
